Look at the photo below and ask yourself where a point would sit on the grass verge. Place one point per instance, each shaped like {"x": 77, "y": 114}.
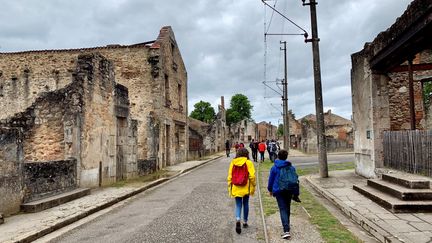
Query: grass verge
{"x": 330, "y": 228}
{"x": 139, "y": 180}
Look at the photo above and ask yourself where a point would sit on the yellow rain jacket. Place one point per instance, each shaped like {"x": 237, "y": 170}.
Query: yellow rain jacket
{"x": 249, "y": 188}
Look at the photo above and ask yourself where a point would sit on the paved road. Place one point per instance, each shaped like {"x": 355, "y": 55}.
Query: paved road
{"x": 192, "y": 208}
{"x": 305, "y": 161}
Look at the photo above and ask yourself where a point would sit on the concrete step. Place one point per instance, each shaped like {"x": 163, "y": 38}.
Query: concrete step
{"x": 408, "y": 180}
{"x": 49, "y": 202}
{"x": 393, "y": 204}
{"x": 400, "y": 192}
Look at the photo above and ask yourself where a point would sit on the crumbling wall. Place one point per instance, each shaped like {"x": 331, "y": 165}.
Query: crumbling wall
{"x": 11, "y": 158}
{"x": 43, "y": 179}
{"x": 400, "y": 117}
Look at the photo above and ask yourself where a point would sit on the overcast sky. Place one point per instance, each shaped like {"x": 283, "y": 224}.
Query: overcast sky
{"x": 221, "y": 41}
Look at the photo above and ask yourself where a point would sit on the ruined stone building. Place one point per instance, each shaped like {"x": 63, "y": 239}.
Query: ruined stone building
{"x": 208, "y": 138}
{"x": 267, "y": 131}
{"x": 295, "y": 130}
{"x": 88, "y": 117}
{"x": 338, "y": 132}
{"x": 243, "y": 131}
{"x": 389, "y": 80}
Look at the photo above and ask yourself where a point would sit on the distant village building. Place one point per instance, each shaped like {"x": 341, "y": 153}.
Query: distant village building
{"x": 208, "y": 138}
{"x": 338, "y": 132}
{"x": 243, "y": 131}
{"x": 88, "y": 117}
{"x": 267, "y": 131}
{"x": 390, "y": 104}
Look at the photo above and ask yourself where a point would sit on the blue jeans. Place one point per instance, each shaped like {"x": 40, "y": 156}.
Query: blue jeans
{"x": 242, "y": 201}
{"x": 284, "y": 203}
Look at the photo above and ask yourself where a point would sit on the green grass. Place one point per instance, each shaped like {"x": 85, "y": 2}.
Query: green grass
{"x": 139, "y": 180}
{"x": 329, "y": 227}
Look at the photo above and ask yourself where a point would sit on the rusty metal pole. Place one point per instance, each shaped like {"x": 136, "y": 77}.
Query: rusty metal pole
{"x": 322, "y": 156}
{"x": 285, "y": 101}
{"x": 411, "y": 94}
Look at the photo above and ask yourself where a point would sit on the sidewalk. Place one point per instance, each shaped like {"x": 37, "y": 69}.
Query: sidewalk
{"x": 382, "y": 224}
{"x": 31, "y": 226}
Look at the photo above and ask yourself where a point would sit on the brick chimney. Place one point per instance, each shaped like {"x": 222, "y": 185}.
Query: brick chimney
{"x": 223, "y": 102}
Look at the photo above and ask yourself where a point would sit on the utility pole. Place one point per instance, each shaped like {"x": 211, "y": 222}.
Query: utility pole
{"x": 285, "y": 100}
{"x": 322, "y": 147}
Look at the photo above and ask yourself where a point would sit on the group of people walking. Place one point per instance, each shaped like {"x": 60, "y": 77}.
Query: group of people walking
{"x": 283, "y": 184}
{"x": 256, "y": 147}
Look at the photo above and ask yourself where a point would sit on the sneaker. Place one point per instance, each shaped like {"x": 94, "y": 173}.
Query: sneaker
{"x": 238, "y": 227}
{"x": 245, "y": 225}
{"x": 296, "y": 199}
{"x": 286, "y": 235}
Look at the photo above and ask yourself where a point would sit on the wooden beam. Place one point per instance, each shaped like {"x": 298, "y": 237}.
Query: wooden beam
{"x": 415, "y": 67}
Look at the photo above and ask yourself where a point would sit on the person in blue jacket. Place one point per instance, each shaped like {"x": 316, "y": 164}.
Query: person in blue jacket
{"x": 283, "y": 197}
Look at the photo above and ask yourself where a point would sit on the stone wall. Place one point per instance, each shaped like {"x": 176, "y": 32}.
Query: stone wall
{"x": 153, "y": 72}
{"x": 43, "y": 179}
{"x": 11, "y": 157}
{"x": 400, "y": 118}
{"x": 361, "y": 90}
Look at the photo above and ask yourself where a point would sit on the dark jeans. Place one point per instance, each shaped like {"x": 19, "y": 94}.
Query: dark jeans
{"x": 262, "y": 156}
{"x": 254, "y": 154}
{"x": 284, "y": 203}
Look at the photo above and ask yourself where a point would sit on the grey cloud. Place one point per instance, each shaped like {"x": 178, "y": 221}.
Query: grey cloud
{"x": 221, "y": 42}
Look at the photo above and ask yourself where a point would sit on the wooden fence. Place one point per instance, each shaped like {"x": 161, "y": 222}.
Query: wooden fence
{"x": 409, "y": 151}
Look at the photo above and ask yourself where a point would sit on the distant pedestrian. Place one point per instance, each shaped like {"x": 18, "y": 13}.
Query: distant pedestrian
{"x": 236, "y": 146}
{"x": 283, "y": 184}
{"x": 262, "y": 148}
{"x": 241, "y": 185}
{"x": 241, "y": 145}
{"x": 254, "y": 148}
{"x": 227, "y": 148}
{"x": 273, "y": 150}
{"x": 268, "y": 148}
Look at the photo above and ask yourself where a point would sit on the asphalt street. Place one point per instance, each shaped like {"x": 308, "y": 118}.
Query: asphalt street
{"x": 305, "y": 161}
{"x": 194, "y": 207}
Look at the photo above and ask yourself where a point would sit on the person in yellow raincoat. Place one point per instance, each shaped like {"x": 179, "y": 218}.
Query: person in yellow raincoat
{"x": 242, "y": 193}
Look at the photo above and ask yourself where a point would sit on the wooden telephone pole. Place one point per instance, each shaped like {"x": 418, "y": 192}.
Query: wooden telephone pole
{"x": 322, "y": 147}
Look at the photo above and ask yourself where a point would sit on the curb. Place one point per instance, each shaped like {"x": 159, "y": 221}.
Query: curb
{"x": 379, "y": 233}
{"x": 105, "y": 205}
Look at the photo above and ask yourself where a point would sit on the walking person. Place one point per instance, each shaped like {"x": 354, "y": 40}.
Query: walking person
{"x": 254, "y": 148}
{"x": 227, "y": 148}
{"x": 262, "y": 149}
{"x": 283, "y": 184}
{"x": 241, "y": 185}
{"x": 273, "y": 150}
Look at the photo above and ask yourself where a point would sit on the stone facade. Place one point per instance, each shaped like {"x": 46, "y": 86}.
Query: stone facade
{"x": 243, "y": 131}
{"x": 153, "y": 72}
{"x": 338, "y": 132}
{"x": 379, "y": 83}
{"x": 57, "y": 135}
{"x": 70, "y": 107}
{"x": 205, "y": 138}
{"x": 267, "y": 131}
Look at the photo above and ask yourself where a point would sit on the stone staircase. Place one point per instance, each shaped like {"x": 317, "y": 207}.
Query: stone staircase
{"x": 399, "y": 192}
{"x": 49, "y": 202}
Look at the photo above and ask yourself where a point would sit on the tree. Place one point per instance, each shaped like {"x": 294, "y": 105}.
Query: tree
{"x": 280, "y": 130}
{"x": 203, "y": 111}
{"x": 240, "y": 108}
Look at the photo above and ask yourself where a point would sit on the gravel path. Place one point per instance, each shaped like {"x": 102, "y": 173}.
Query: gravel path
{"x": 302, "y": 230}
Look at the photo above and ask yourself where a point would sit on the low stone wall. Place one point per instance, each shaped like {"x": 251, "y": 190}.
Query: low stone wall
{"x": 146, "y": 166}
{"x": 11, "y": 156}
{"x": 43, "y": 179}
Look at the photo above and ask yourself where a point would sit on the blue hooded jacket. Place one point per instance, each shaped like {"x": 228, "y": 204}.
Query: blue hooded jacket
{"x": 273, "y": 182}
